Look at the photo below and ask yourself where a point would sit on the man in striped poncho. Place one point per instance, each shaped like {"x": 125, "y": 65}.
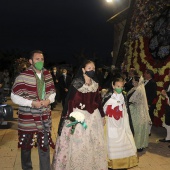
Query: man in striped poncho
{"x": 34, "y": 91}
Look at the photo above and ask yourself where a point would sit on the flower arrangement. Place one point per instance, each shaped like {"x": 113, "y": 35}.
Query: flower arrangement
{"x": 140, "y": 46}
{"x": 75, "y": 118}
{"x": 140, "y": 58}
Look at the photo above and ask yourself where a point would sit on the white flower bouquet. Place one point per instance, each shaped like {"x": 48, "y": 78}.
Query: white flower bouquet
{"x": 75, "y": 118}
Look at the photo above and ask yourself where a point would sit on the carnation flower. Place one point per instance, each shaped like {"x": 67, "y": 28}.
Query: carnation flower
{"x": 75, "y": 118}
{"x": 79, "y": 117}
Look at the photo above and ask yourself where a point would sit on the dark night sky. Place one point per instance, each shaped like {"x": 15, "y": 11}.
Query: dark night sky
{"x": 60, "y": 28}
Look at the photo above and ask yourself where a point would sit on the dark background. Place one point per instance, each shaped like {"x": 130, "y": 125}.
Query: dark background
{"x": 62, "y": 29}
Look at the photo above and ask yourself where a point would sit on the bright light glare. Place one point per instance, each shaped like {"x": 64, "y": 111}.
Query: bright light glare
{"x": 109, "y": 1}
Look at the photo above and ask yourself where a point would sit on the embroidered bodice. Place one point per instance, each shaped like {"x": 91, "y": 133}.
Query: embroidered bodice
{"x": 86, "y": 98}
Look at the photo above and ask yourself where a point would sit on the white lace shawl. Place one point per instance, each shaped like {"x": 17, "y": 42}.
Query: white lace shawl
{"x": 139, "y": 96}
{"x": 89, "y": 88}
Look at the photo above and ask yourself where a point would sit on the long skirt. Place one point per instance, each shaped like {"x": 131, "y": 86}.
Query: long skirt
{"x": 121, "y": 145}
{"x": 140, "y": 121}
{"x": 85, "y": 149}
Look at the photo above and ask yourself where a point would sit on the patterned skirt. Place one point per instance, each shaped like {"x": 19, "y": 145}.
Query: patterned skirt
{"x": 84, "y": 149}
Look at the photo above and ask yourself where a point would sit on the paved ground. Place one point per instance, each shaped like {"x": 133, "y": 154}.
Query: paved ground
{"x": 155, "y": 157}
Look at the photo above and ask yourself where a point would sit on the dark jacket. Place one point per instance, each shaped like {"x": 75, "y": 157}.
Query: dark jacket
{"x": 151, "y": 93}
{"x": 64, "y": 83}
{"x": 128, "y": 85}
{"x": 167, "y": 107}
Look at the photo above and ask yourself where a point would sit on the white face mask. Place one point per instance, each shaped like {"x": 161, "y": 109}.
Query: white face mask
{"x": 54, "y": 71}
{"x": 64, "y": 74}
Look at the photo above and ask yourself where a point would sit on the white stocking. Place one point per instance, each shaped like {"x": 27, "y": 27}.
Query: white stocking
{"x": 168, "y": 131}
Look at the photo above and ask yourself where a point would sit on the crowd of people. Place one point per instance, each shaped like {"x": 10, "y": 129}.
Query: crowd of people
{"x": 4, "y": 83}
{"x": 116, "y": 109}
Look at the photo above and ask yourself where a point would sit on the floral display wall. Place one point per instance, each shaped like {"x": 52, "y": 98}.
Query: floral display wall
{"x": 148, "y": 45}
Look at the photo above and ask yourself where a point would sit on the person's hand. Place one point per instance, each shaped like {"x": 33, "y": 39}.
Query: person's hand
{"x": 150, "y": 122}
{"x": 45, "y": 103}
{"x": 66, "y": 90}
{"x": 36, "y": 104}
{"x": 56, "y": 81}
{"x": 0, "y": 85}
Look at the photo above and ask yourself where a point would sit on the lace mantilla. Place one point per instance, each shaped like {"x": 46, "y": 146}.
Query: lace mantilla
{"x": 78, "y": 82}
{"x": 89, "y": 88}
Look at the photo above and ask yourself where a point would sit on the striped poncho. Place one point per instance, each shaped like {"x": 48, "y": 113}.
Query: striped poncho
{"x": 32, "y": 121}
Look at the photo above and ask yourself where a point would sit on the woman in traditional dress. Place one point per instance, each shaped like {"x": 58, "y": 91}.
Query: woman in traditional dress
{"x": 121, "y": 145}
{"x": 85, "y": 148}
{"x": 139, "y": 112}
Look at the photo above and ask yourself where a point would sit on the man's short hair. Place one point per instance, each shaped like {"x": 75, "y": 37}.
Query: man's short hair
{"x": 150, "y": 72}
{"x": 33, "y": 52}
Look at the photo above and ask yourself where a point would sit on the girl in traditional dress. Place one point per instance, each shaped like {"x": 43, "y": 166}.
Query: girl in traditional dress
{"x": 120, "y": 142}
{"x": 83, "y": 148}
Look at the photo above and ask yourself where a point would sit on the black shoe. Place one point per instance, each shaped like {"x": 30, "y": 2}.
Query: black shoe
{"x": 149, "y": 134}
{"x": 169, "y": 146}
{"x": 164, "y": 140}
{"x": 140, "y": 150}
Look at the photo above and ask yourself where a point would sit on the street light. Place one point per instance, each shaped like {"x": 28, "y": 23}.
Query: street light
{"x": 112, "y": 1}
{"x": 109, "y": 1}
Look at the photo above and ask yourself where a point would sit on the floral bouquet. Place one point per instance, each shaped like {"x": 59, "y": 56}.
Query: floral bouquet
{"x": 75, "y": 118}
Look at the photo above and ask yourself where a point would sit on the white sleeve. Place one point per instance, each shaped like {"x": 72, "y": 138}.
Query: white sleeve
{"x": 25, "y": 102}
{"x": 52, "y": 97}
{"x": 20, "y": 100}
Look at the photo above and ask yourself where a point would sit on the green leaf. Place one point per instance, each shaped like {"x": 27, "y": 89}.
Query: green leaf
{"x": 72, "y": 119}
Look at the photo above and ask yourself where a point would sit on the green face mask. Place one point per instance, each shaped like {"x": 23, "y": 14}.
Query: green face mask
{"x": 118, "y": 90}
{"x": 39, "y": 65}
